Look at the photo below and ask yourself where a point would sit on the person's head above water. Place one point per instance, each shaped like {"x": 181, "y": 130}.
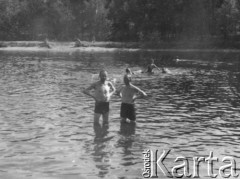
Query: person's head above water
{"x": 127, "y": 79}
{"x": 103, "y": 75}
{"x": 128, "y": 70}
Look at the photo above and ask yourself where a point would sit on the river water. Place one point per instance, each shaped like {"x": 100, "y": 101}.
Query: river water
{"x": 47, "y": 126}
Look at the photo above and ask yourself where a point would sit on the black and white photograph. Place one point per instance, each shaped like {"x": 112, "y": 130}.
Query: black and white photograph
{"x": 119, "y": 89}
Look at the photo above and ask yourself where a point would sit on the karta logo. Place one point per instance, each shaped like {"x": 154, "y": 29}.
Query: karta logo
{"x": 154, "y": 162}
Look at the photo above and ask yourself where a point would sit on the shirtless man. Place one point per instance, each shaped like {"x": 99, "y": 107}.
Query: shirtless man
{"x": 129, "y": 93}
{"x": 103, "y": 90}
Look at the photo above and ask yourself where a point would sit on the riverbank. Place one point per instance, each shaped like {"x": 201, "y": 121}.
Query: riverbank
{"x": 166, "y": 53}
{"x": 211, "y": 44}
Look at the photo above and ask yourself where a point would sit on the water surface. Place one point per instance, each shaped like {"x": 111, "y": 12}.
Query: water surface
{"x": 47, "y": 126}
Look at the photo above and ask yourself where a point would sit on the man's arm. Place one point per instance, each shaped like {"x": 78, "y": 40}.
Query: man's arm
{"x": 87, "y": 90}
{"x": 142, "y": 93}
{"x": 157, "y": 67}
{"x": 119, "y": 91}
{"x": 113, "y": 89}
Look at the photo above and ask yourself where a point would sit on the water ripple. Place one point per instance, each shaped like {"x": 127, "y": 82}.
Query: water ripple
{"x": 47, "y": 123}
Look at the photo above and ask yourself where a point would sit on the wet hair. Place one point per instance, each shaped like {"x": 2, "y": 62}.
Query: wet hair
{"x": 127, "y": 79}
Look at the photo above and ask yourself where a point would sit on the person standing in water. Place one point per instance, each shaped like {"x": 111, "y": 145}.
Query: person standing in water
{"x": 103, "y": 90}
{"x": 129, "y": 93}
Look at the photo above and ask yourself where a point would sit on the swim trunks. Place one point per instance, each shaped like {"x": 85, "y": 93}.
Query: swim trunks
{"x": 101, "y": 107}
{"x": 128, "y": 111}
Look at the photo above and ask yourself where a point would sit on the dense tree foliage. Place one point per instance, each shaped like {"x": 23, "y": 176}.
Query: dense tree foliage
{"x": 118, "y": 20}
{"x": 172, "y": 19}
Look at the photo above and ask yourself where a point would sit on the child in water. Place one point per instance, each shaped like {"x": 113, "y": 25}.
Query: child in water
{"x": 129, "y": 93}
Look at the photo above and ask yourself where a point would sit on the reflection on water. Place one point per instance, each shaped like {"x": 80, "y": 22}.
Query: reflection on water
{"x": 127, "y": 132}
{"x": 100, "y": 155}
{"x": 47, "y": 127}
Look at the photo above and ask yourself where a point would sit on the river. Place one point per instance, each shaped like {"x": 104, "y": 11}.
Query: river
{"x": 47, "y": 126}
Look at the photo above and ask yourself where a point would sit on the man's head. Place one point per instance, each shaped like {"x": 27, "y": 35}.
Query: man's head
{"x": 127, "y": 79}
{"x": 152, "y": 60}
{"x": 103, "y": 75}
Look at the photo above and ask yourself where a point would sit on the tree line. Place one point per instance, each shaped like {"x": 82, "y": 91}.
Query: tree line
{"x": 119, "y": 20}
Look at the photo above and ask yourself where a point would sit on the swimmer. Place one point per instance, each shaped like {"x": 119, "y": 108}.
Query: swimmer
{"x": 129, "y": 71}
{"x": 103, "y": 90}
{"x": 129, "y": 93}
{"x": 177, "y": 59}
{"x": 164, "y": 70}
{"x": 151, "y": 66}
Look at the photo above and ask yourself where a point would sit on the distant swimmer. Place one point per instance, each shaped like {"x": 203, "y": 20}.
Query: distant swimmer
{"x": 103, "y": 90}
{"x": 129, "y": 93}
{"x": 177, "y": 59}
{"x": 151, "y": 66}
{"x": 164, "y": 70}
{"x": 129, "y": 71}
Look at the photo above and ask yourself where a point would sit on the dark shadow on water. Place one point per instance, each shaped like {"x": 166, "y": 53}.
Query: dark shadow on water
{"x": 127, "y": 129}
{"x": 101, "y": 153}
{"x": 126, "y": 140}
{"x": 101, "y": 132}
